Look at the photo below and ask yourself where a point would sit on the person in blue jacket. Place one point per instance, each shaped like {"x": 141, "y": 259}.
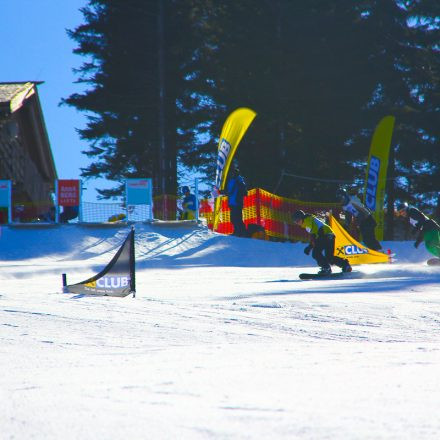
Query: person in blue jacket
{"x": 236, "y": 191}
{"x": 189, "y": 204}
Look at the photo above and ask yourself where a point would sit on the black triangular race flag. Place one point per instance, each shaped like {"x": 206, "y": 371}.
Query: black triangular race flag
{"x": 116, "y": 279}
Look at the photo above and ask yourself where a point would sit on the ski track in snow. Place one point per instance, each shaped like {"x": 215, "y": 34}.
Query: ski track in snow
{"x": 222, "y": 341}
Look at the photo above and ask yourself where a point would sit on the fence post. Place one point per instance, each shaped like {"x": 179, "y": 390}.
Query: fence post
{"x": 80, "y": 207}
{"x": 258, "y": 206}
{"x": 10, "y": 203}
{"x": 6, "y": 197}
{"x": 196, "y": 193}
{"x": 57, "y": 205}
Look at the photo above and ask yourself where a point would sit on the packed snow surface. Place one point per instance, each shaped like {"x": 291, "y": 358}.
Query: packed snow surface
{"x": 222, "y": 341}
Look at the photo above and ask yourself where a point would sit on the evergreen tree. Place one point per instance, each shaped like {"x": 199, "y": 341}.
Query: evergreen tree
{"x": 293, "y": 63}
{"x": 423, "y": 171}
{"x": 402, "y": 62}
{"x": 127, "y": 94}
{"x": 320, "y": 75}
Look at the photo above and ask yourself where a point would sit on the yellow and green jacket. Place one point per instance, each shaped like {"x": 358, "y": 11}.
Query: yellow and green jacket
{"x": 313, "y": 226}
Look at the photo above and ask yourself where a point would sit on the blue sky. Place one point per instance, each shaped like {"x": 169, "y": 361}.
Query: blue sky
{"x": 34, "y": 46}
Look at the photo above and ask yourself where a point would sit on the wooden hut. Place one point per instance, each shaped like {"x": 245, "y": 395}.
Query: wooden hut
{"x": 25, "y": 154}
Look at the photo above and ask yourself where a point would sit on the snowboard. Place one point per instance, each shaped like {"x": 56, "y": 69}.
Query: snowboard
{"x": 433, "y": 262}
{"x": 327, "y": 276}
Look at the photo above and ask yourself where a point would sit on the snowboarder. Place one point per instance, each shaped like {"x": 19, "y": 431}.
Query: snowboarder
{"x": 353, "y": 207}
{"x": 189, "y": 204}
{"x": 427, "y": 230}
{"x": 236, "y": 191}
{"x": 322, "y": 242}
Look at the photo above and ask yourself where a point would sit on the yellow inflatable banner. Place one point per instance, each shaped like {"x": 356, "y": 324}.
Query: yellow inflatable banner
{"x": 347, "y": 247}
{"x": 232, "y": 132}
{"x": 375, "y": 182}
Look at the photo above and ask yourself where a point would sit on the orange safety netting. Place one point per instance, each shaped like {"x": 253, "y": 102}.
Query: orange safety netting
{"x": 272, "y": 212}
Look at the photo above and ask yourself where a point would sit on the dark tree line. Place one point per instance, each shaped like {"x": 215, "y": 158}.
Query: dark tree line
{"x": 164, "y": 75}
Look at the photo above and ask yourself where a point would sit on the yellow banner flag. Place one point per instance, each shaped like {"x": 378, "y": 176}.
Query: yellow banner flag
{"x": 375, "y": 182}
{"x": 233, "y": 131}
{"x": 347, "y": 247}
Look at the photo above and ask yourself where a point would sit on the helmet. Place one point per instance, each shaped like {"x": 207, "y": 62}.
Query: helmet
{"x": 185, "y": 189}
{"x": 402, "y": 208}
{"x": 298, "y": 215}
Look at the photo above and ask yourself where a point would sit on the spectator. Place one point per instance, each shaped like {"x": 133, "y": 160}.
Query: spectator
{"x": 189, "y": 204}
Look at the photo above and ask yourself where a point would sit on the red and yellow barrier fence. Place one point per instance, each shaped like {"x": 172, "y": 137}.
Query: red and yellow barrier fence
{"x": 272, "y": 212}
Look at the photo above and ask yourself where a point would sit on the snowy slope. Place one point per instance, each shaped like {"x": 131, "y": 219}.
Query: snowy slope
{"x": 222, "y": 341}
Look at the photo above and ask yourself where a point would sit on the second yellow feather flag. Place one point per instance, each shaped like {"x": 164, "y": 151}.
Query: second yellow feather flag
{"x": 376, "y": 179}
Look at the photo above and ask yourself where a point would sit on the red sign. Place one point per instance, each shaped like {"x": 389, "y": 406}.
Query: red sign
{"x": 137, "y": 183}
{"x": 68, "y": 192}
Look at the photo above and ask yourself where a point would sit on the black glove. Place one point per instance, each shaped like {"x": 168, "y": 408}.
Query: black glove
{"x": 308, "y": 249}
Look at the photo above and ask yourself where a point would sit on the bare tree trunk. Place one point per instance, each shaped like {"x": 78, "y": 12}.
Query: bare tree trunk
{"x": 162, "y": 172}
{"x": 391, "y": 198}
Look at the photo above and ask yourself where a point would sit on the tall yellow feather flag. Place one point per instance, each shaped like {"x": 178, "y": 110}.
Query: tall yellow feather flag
{"x": 375, "y": 182}
{"x": 347, "y": 247}
{"x": 233, "y": 131}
